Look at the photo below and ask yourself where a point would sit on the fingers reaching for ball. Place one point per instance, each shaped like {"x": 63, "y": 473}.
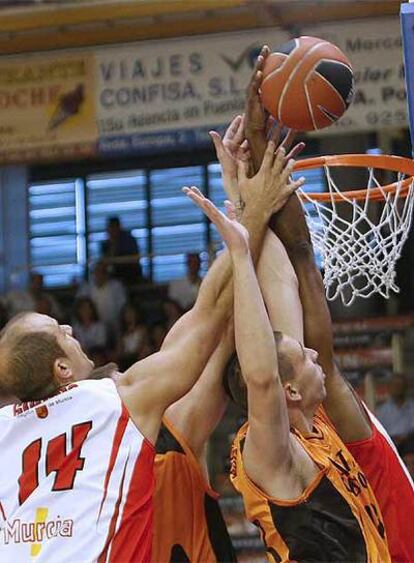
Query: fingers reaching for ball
{"x": 233, "y": 233}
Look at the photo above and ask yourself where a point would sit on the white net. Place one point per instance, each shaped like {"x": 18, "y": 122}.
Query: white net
{"x": 359, "y": 248}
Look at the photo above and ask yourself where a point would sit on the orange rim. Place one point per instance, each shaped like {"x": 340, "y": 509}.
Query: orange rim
{"x": 381, "y": 162}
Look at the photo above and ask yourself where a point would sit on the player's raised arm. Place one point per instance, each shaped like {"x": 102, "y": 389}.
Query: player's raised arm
{"x": 277, "y": 279}
{"x": 341, "y": 403}
{"x": 257, "y": 126}
{"x": 268, "y": 437}
{"x": 197, "y": 414}
{"x": 156, "y": 382}
{"x": 255, "y": 118}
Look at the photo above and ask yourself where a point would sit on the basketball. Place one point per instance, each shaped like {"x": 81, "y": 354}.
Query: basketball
{"x": 308, "y": 84}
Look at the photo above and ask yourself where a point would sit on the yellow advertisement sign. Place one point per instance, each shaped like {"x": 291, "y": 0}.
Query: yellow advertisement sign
{"x": 47, "y": 108}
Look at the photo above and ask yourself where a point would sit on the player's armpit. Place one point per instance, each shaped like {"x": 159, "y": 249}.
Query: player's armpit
{"x": 152, "y": 384}
{"x": 267, "y": 452}
{"x": 197, "y": 414}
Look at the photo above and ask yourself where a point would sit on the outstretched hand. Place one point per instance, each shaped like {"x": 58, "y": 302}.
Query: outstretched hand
{"x": 259, "y": 127}
{"x": 272, "y": 186}
{"x": 255, "y": 114}
{"x": 232, "y": 232}
{"x": 233, "y": 148}
{"x": 247, "y": 135}
{"x": 274, "y": 131}
{"x": 229, "y": 150}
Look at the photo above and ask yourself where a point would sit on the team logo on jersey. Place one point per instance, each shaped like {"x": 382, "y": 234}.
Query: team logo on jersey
{"x": 42, "y": 412}
{"x": 18, "y": 531}
{"x": 24, "y": 407}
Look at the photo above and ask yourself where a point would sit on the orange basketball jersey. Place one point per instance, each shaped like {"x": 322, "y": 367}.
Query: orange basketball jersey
{"x": 188, "y": 524}
{"x": 337, "y": 517}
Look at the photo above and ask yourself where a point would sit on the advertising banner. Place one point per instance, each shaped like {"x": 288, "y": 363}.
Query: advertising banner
{"x": 374, "y": 48}
{"x": 170, "y": 93}
{"x": 166, "y": 95}
{"x": 47, "y": 107}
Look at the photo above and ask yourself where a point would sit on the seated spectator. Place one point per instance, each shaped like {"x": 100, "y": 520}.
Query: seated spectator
{"x": 134, "y": 337}
{"x": 43, "y": 306}
{"x": 120, "y": 251}
{"x": 406, "y": 450}
{"x": 87, "y": 328}
{"x": 100, "y": 357}
{"x": 108, "y": 296}
{"x": 184, "y": 291}
{"x": 157, "y": 334}
{"x": 397, "y": 413}
{"x": 33, "y": 298}
{"x": 171, "y": 311}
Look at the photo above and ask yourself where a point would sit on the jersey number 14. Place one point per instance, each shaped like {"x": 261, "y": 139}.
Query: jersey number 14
{"x": 64, "y": 464}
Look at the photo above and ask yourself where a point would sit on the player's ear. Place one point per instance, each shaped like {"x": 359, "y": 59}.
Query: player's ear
{"x": 62, "y": 370}
{"x": 292, "y": 392}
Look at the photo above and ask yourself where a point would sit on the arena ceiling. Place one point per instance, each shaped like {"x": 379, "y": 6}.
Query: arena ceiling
{"x": 35, "y": 25}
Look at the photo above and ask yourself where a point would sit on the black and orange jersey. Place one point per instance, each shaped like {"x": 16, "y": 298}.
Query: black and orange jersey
{"x": 188, "y": 523}
{"x": 336, "y": 518}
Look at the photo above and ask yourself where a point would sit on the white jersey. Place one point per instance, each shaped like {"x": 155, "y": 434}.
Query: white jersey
{"x": 76, "y": 479}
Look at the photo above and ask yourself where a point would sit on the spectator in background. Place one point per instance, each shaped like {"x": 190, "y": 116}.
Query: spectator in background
{"x": 134, "y": 337}
{"x": 34, "y": 298}
{"x": 120, "y": 251}
{"x": 4, "y": 315}
{"x": 43, "y": 306}
{"x": 184, "y": 291}
{"x": 397, "y": 413}
{"x": 171, "y": 312}
{"x": 407, "y": 453}
{"x": 100, "y": 358}
{"x": 88, "y": 329}
{"x": 108, "y": 296}
{"x": 157, "y": 335}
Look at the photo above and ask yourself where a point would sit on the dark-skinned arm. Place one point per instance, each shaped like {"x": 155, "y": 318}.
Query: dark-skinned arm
{"x": 341, "y": 403}
{"x": 257, "y": 123}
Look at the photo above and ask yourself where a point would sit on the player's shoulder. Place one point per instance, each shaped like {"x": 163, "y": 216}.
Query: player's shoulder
{"x": 105, "y": 385}
{"x": 105, "y": 390}
{"x": 6, "y": 413}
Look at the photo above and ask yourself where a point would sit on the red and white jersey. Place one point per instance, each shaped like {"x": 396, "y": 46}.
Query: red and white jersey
{"x": 76, "y": 479}
{"x": 392, "y": 486}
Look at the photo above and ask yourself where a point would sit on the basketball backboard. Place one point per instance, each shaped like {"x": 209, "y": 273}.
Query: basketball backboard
{"x": 407, "y": 26}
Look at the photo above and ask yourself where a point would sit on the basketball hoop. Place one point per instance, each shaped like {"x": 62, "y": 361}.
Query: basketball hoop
{"x": 360, "y": 233}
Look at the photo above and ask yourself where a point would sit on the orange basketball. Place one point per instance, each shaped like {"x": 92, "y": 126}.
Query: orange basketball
{"x": 308, "y": 83}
